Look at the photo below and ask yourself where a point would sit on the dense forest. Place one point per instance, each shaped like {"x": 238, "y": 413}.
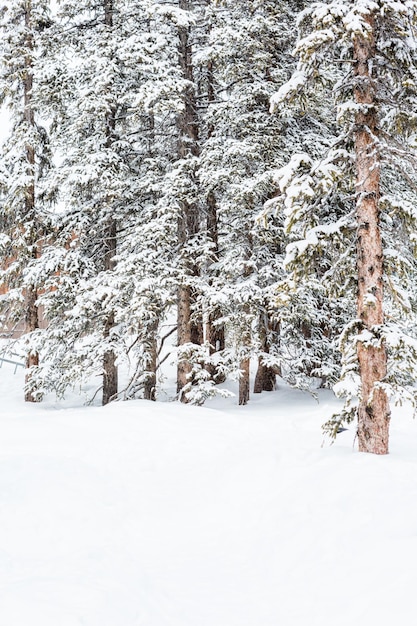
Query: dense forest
{"x": 237, "y": 175}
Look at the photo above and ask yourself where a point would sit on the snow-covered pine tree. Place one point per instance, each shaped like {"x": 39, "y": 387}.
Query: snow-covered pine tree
{"x": 362, "y": 53}
{"x": 150, "y": 267}
{"x": 86, "y": 86}
{"x": 132, "y": 72}
{"x": 185, "y": 245}
{"x": 189, "y": 216}
{"x": 249, "y": 58}
{"x": 94, "y": 166}
{"x": 25, "y": 156}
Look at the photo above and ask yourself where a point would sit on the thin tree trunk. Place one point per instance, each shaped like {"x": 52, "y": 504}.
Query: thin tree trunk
{"x": 215, "y": 336}
{"x": 149, "y": 389}
{"x": 184, "y": 335}
{"x": 151, "y": 360}
{"x": 244, "y": 366}
{"x": 246, "y": 336}
{"x": 244, "y": 380}
{"x": 31, "y": 309}
{"x": 215, "y": 333}
{"x": 110, "y": 372}
{"x": 310, "y": 366}
{"x": 31, "y": 324}
{"x": 265, "y": 376}
{"x": 197, "y": 329}
{"x": 374, "y": 411}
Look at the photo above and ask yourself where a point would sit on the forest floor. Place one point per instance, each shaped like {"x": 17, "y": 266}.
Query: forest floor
{"x": 158, "y": 514}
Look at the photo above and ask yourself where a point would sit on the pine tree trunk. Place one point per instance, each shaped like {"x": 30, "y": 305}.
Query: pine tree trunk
{"x": 188, "y": 222}
{"x": 215, "y": 333}
{"x": 244, "y": 381}
{"x": 183, "y": 334}
{"x": 110, "y": 373}
{"x": 31, "y": 324}
{"x": 197, "y": 329}
{"x": 149, "y": 388}
{"x": 215, "y": 336}
{"x": 244, "y": 366}
{"x": 246, "y": 331}
{"x": 374, "y": 410}
{"x": 265, "y": 376}
{"x": 31, "y": 309}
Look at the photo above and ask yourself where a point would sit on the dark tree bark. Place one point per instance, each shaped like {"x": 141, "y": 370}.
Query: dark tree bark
{"x": 374, "y": 410}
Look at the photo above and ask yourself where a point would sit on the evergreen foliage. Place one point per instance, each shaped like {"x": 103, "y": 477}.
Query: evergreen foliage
{"x": 24, "y": 214}
{"x": 320, "y": 194}
{"x": 172, "y": 168}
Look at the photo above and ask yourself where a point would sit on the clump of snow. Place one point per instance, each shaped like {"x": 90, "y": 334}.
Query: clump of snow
{"x": 297, "y": 80}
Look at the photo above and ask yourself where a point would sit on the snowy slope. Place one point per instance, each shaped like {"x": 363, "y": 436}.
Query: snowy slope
{"x": 144, "y": 514}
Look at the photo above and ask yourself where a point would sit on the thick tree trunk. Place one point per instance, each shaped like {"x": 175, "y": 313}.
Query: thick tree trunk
{"x": 374, "y": 411}
{"x": 188, "y": 222}
{"x": 31, "y": 309}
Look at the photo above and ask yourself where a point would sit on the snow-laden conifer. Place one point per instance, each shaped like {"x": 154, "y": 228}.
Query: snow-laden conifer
{"x": 25, "y": 157}
{"x": 120, "y": 95}
{"x": 354, "y": 200}
{"x": 249, "y": 52}
{"x": 92, "y": 90}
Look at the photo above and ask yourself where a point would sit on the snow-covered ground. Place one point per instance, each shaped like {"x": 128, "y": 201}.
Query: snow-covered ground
{"x": 157, "y": 514}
